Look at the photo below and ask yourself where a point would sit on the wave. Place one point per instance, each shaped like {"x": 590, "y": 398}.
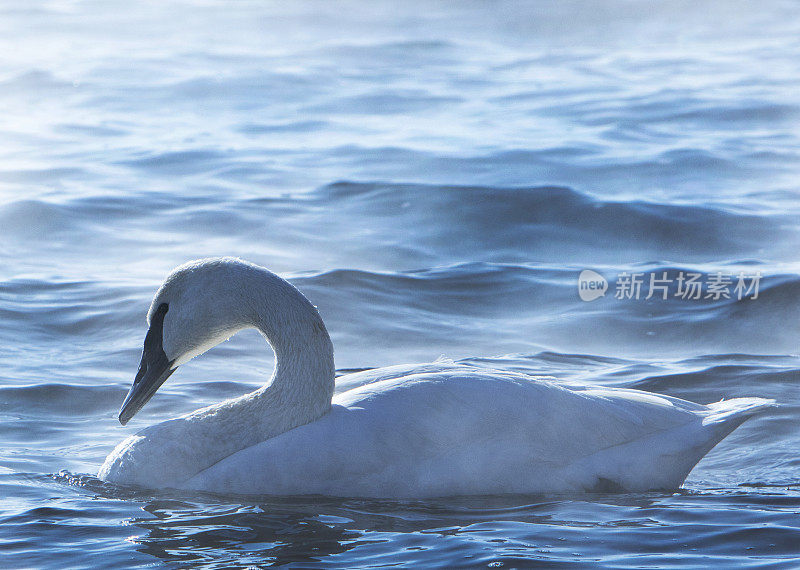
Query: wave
{"x": 552, "y": 219}
{"x": 61, "y": 400}
{"x": 460, "y": 310}
{"x": 388, "y": 226}
{"x": 484, "y": 308}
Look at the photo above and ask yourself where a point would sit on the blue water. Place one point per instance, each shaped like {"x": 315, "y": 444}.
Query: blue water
{"x": 434, "y": 177}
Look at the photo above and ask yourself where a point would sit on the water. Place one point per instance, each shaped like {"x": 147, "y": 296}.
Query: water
{"x": 434, "y": 178}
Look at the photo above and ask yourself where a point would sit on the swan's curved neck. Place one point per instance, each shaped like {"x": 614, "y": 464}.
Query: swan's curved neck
{"x": 304, "y": 373}
{"x": 301, "y": 387}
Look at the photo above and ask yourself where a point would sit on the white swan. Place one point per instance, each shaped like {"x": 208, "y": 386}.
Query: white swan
{"x": 402, "y": 431}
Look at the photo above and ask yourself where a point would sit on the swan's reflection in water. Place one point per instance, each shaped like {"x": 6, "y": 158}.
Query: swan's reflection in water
{"x": 307, "y": 532}
{"x": 681, "y": 529}
{"x": 242, "y": 534}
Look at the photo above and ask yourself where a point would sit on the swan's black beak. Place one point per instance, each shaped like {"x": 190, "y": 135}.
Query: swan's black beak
{"x": 154, "y": 369}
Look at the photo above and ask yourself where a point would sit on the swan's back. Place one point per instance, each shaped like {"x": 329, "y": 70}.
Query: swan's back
{"x": 458, "y": 430}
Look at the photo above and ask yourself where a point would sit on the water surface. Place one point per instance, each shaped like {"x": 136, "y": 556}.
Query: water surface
{"x": 434, "y": 178}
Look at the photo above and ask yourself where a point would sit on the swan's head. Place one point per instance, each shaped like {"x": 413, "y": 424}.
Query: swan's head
{"x": 199, "y": 305}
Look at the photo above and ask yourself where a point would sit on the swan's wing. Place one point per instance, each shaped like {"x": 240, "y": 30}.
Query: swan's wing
{"x": 355, "y": 380}
{"x": 457, "y": 432}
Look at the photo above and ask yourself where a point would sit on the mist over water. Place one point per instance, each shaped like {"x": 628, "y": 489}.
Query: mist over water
{"x": 434, "y": 178}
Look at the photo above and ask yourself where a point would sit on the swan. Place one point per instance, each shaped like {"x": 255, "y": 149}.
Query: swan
{"x": 407, "y": 431}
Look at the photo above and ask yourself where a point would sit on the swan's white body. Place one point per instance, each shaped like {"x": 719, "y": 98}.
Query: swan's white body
{"x": 402, "y": 431}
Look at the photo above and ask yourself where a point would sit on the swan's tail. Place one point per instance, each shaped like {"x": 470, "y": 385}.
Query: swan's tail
{"x": 734, "y": 412}
{"x": 737, "y": 409}
{"x": 685, "y": 447}
{"x": 663, "y": 459}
